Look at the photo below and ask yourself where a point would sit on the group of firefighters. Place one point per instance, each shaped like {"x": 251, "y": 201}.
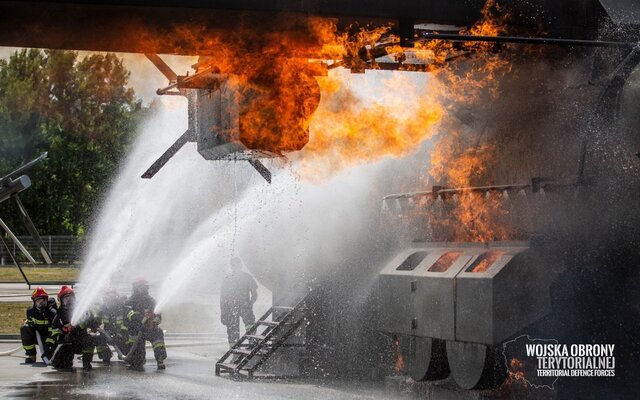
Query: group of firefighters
{"x": 125, "y": 324}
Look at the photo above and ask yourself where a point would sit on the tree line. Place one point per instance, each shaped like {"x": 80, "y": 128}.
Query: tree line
{"x": 82, "y": 112}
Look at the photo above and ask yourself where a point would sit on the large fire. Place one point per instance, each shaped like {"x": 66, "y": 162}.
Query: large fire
{"x": 294, "y": 95}
{"x": 458, "y": 159}
{"x": 348, "y": 131}
{"x": 269, "y": 75}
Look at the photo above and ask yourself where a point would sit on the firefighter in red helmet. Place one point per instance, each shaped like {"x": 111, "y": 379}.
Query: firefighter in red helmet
{"x": 143, "y": 324}
{"x": 39, "y": 319}
{"x": 74, "y": 338}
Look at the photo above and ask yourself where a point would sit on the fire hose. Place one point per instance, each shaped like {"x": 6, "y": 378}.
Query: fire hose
{"x": 188, "y": 344}
{"x": 10, "y": 352}
{"x": 111, "y": 342}
{"x": 169, "y": 345}
{"x": 41, "y": 346}
{"x": 55, "y": 353}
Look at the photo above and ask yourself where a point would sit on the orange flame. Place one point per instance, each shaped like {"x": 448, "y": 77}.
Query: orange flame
{"x": 486, "y": 260}
{"x": 348, "y": 131}
{"x": 475, "y": 217}
{"x": 457, "y": 161}
{"x": 266, "y": 73}
{"x": 279, "y": 89}
{"x": 445, "y": 261}
{"x": 398, "y": 365}
{"x": 516, "y": 372}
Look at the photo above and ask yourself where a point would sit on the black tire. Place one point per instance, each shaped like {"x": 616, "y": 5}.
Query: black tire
{"x": 424, "y": 358}
{"x": 476, "y": 366}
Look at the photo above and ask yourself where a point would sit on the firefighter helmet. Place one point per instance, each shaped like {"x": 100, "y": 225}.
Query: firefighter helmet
{"x": 39, "y": 293}
{"x": 140, "y": 287}
{"x": 64, "y": 290}
{"x": 140, "y": 283}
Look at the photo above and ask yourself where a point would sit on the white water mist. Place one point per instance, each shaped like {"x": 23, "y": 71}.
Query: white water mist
{"x": 179, "y": 229}
{"x": 143, "y": 224}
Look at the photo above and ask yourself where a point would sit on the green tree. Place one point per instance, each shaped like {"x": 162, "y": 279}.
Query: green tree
{"x": 80, "y": 111}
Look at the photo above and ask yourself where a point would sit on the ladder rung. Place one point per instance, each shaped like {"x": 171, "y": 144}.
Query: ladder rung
{"x": 242, "y": 351}
{"x": 268, "y": 341}
{"x": 246, "y": 352}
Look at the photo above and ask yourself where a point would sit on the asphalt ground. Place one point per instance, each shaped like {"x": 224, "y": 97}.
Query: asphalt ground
{"x": 12, "y": 292}
{"x": 189, "y": 375}
{"x": 195, "y": 340}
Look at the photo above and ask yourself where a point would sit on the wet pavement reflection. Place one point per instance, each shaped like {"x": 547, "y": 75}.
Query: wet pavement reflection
{"x": 188, "y": 376}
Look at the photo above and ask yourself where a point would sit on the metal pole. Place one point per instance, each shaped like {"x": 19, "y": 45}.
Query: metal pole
{"x": 24, "y": 167}
{"x": 15, "y": 261}
{"x": 17, "y": 242}
{"x": 41, "y": 345}
{"x": 39, "y": 244}
{"x": 525, "y": 40}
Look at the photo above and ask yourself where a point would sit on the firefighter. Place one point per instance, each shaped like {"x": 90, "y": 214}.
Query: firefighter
{"x": 112, "y": 315}
{"x": 39, "y": 319}
{"x": 72, "y": 339}
{"x": 238, "y": 293}
{"x": 143, "y": 325}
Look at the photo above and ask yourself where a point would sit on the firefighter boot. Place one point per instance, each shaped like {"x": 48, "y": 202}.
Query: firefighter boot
{"x": 135, "y": 367}
{"x": 30, "y": 359}
{"x": 160, "y": 354}
{"x": 86, "y": 362}
{"x": 106, "y": 354}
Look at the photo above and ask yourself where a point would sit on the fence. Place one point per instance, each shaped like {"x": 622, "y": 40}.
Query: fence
{"x": 63, "y": 249}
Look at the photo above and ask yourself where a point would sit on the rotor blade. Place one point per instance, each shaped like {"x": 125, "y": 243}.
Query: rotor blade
{"x": 33, "y": 231}
{"x": 525, "y": 40}
{"x": 262, "y": 170}
{"x": 13, "y": 258}
{"x": 166, "y": 156}
{"x": 25, "y": 167}
{"x": 15, "y": 239}
{"x": 162, "y": 67}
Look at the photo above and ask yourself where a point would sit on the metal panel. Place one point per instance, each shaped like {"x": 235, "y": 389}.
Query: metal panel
{"x": 420, "y": 302}
{"x": 495, "y": 304}
{"x": 216, "y": 121}
{"x": 508, "y": 291}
